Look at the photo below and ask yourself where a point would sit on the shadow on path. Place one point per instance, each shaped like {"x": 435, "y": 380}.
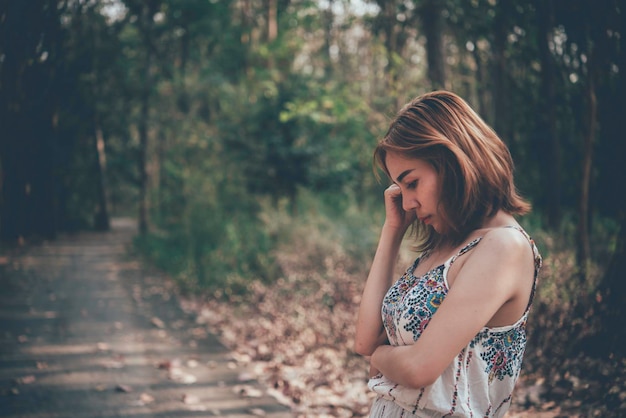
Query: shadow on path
{"x": 85, "y": 331}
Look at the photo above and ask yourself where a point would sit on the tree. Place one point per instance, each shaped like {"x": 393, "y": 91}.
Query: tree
{"x": 501, "y": 91}
{"x": 394, "y": 22}
{"x": 28, "y": 98}
{"x": 612, "y": 287}
{"x": 547, "y": 125}
{"x": 433, "y": 28}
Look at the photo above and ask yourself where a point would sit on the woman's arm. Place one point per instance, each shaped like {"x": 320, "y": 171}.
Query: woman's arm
{"x": 369, "y": 329}
{"x": 497, "y": 272}
{"x": 370, "y": 332}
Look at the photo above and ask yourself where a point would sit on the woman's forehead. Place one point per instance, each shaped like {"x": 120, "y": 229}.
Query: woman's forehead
{"x": 399, "y": 165}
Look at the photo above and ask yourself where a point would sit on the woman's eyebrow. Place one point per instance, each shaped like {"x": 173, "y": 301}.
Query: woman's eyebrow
{"x": 403, "y": 175}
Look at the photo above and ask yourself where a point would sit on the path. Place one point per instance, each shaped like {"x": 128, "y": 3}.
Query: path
{"x": 86, "y": 332}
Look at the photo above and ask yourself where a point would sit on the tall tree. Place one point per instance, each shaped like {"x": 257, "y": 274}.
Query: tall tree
{"x": 101, "y": 218}
{"x": 430, "y": 13}
{"x": 595, "y": 56}
{"x": 145, "y": 13}
{"x": 613, "y": 286}
{"x": 583, "y": 250}
{"x": 272, "y": 20}
{"x": 394, "y": 22}
{"x": 30, "y": 34}
{"x": 500, "y": 74}
{"x": 547, "y": 126}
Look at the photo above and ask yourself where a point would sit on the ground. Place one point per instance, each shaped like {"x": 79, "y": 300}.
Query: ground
{"x": 86, "y": 331}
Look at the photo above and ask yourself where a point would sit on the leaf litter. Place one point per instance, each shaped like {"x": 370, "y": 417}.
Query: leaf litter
{"x": 297, "y": 335}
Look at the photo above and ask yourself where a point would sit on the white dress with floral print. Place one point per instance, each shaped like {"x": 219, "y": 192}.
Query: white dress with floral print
{"x": 479, "y": 382}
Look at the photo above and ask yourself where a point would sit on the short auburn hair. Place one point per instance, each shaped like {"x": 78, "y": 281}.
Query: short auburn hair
{"x": 474, "y": 165}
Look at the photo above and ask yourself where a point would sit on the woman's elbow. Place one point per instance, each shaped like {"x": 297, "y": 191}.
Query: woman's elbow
{"x": 419, "y": 382}
{"x": 366, "y": 343}
{"x": 364, "y": 349}
{"x": 421, "y": 377}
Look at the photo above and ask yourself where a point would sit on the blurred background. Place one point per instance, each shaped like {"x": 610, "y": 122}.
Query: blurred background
{"x": 239, "y": 135}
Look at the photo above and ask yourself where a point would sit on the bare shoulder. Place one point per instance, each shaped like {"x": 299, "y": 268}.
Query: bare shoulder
{"x": 503, "y": 258}
{"x": 507, "y": 245}
{"x": 506, "y": 239}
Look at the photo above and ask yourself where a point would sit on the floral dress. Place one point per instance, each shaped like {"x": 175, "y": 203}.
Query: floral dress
{"x": 479, "y": 382}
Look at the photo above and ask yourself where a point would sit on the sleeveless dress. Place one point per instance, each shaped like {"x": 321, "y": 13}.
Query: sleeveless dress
{"x": 479, "y": 382}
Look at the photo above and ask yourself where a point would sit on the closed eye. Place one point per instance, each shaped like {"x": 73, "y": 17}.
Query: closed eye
{"x": 412, "y": 185}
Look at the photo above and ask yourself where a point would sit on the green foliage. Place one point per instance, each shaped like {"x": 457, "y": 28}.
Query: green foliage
{"x": 219, "y": 242}
{"x": 329, "y": 222}
{"x": 233, "y": 128}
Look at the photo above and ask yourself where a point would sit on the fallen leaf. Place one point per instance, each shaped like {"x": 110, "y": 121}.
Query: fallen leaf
{"x": 190, "y": 399}
{"x": 245, "y": 377}
{"x": 168, "y": 364}
{"x": 146, "y": 398}
{"x": 165, "y": 365}
{"x": 179, "y": 376}
{"x": 197, "y": 407}
{"x": 157, "y": 322}
{"x": 26, "y": 380}
{"x": 102, "y": 346}
{"x": 123, "y": 388}
{"x": 113, "y": 363}
{"x": 257, "y": 412}
{"x": 247, "y": 391}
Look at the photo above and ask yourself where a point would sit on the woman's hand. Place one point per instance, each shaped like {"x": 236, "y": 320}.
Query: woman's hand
{"x": 373, "y": 371}
{"x": 396, "y": 216}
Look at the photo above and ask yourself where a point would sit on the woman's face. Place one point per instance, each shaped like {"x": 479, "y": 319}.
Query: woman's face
{"x": 419, "y": 184}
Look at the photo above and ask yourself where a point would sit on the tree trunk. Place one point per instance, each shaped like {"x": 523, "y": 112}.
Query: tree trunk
{"x": 12, "y": 152}
{"x": 144, "y": 114}
{"x": 481, "y": 84}
{"x": 27, "y": 141}
{"x": 185, "y": 39}
{"x": 547, "y": 129}
{"x": 613, "y": 294}
{"x": 387, "y": 16}
{"x": 501, "y": 111}
{"x": 432, "y": 24}
{"x": 101, "y": 218}
{"x": 328, "y": 39}
{"x": 612, "y": 287}
{"x": 272, "y": 20}
{"x": 583, "y": 251}
{"x": 14, "y": 194}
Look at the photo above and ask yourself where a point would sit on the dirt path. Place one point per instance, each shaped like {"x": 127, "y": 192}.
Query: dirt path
{"x": 87, "y": 332}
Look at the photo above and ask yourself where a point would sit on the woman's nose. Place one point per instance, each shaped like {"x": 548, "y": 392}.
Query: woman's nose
{"x": 408, "y": 203}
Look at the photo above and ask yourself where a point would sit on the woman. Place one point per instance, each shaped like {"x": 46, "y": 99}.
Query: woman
{"x": 451, "y": 336}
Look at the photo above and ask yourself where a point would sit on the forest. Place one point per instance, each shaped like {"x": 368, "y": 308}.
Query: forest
{"x": 239, "y": 134}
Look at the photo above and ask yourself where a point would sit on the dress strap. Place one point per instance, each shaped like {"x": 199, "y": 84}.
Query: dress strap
{"x": 537, "y": 259}
{"x": 538, "y": 262}
{"x": 448, "y": 263}
{"x": 462, "y": 251}
{"x": 536, "y": 255}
